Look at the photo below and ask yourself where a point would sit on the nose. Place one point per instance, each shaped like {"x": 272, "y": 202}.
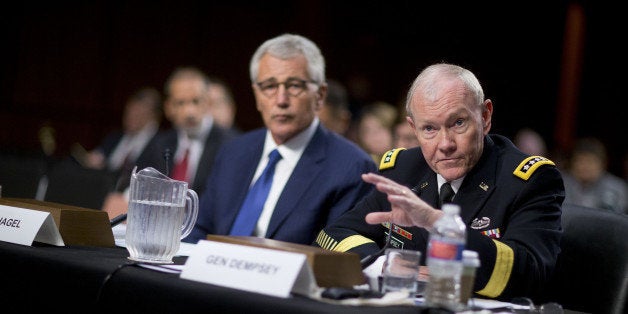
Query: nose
{"x": 282, "y": 97}
{"x": 446, "y": 140}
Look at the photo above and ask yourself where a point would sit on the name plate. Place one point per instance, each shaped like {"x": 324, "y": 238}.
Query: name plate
{"x": 23, "y": 226}
{"x": 254, "y": 269}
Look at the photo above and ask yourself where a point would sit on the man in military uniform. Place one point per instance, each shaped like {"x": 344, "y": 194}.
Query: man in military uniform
{"x": 510, "y": 202}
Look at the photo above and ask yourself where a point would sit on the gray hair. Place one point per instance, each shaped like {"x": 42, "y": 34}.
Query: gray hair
{"x": 427, "y": 81}
{"x": 287, "y": 46}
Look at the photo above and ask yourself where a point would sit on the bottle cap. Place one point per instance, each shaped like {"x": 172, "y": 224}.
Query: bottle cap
{"x": 470, "y": 258}
{"x": 451, "y": 209}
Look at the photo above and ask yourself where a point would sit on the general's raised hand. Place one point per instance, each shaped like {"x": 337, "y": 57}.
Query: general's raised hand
{"x": 407, "y": 209}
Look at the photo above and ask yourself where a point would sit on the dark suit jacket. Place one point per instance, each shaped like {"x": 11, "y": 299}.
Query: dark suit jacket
{"x": 110, "y": 142}
{"x": 107, "y": 146}
{"x": 513, "y": 222}
{"x": 153, "y": 155}
{"x": 325, "y": 183}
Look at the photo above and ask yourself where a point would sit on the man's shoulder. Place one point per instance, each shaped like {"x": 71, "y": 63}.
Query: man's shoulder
{"x": 401, "y": 159}
{"x": 222, "y": 133}
{"x": 341, "y": 145}
{"x": 516, "y": 163}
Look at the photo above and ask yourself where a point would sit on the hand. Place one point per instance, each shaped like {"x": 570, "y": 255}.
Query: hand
{"x": 115, "y": 204}
{"x": 94, "y": 160}
{"x": 407, "y": 209}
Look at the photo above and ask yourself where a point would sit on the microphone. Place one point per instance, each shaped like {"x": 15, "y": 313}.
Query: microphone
{"x": 118, "y": 219}
{"x": 369, "y": 259}
{"x": 167, "y": 159}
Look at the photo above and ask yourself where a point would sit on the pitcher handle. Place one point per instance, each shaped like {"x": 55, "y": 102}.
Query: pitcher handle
{"x": 191, "y": 213}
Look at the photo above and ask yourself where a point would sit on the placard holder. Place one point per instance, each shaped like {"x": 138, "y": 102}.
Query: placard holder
{"x": 77, "y": 225}
{"x": 331, "y": 269}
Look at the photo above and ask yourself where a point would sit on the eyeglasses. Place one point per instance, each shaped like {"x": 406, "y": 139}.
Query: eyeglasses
{"x": 294, "y": 87}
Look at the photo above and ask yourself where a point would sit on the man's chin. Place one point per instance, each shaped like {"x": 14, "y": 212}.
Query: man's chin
{"x": 451, "y": 174}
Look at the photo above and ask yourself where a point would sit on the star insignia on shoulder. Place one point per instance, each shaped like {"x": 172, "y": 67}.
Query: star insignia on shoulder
{"x": 527, "y": 167}
{"x": 389, "y": 158}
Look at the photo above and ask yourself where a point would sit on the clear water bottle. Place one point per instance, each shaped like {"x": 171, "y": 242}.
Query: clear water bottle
{"x": 470, "y": 263}
{"x": 444, "y": 260}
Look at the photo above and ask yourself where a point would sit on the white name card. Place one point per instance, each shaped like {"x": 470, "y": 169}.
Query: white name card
{"x": 23, "y": 226}
{"x": 254, "y": 269}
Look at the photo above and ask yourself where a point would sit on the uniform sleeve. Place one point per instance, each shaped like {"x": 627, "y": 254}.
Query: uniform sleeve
{"x": 350, "y": 232}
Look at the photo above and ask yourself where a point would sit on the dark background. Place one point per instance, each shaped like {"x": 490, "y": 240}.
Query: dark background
{"x": 69, "y": 65}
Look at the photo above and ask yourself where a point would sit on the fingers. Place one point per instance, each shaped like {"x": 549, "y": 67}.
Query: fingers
{"x": 385, "y": 185}
{"x": 377, "y": 218}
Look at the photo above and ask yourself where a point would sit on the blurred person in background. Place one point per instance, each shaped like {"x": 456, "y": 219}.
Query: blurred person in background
{"x": 223, "y": 106}
{"x": 588, "y": 182}
{"x": 403, "y": 133}
{"x": 120, "y": 149}
{"x": 186, "y": 151}
{"x": 375, "y": 129}
{"x": 530, "y": 142}
{"x": 335, "y": 113}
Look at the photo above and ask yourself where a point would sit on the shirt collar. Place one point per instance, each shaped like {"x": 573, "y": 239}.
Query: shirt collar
{"x": 455, "y": 184}
{"x": 203, "y": 132}
{"x": 294, "y": 147}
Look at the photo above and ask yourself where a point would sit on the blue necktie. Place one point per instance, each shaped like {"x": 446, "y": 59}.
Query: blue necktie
{"x": 255, "y": 199}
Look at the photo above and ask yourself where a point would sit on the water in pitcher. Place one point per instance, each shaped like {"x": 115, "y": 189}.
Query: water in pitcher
{"x": 154, "y": 230}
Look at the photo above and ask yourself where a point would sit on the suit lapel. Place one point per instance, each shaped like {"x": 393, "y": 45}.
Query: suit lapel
{"x": 427, "y": 189}
{"x": 478, "y": 185}
{"x": 304, "y": 174}
{"x": 212, "y": 143}
{"x": 245, "y": 162}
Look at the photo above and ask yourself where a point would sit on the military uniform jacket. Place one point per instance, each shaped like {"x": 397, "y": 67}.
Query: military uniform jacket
{"x": 510, "y": 203}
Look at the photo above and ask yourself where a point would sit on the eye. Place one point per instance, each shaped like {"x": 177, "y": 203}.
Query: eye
{"x": 459, "y": 122}
{"x": 295, "y": 84}
{"x": 267, "y": 85}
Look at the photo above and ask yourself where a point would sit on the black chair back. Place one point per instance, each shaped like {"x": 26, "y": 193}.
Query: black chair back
{"x": 592, "y": 269}
{"x": 69, "y": 183}
{"x": 20, "y": 175}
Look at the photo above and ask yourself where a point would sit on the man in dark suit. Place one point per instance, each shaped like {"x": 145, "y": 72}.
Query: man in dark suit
{"x": 317, "y": 177}
{"x": 194, "y": 131}
{"x": 120, "y": 149}
{"x": 192, "y": 141}
{"x": 510, "y": 201}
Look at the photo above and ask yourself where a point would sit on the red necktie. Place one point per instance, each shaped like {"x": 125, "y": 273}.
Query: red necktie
{"x": 180, "y": 171}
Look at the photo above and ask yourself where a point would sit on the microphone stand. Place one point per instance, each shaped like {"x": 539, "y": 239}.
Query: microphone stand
{"x": 167, "y": 159}
{"x": 120, "y": 218}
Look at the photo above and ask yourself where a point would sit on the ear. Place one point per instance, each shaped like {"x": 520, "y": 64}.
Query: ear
{"x": 168, "y": 109}
{"x": 321, "y": 96}
{"x": 413, "y": 126}
{"x": 487, "y": 114}
{"x": 411, "y": 123}
{"x": 256, "y": 95}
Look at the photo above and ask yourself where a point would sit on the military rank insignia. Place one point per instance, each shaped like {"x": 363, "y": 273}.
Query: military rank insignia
{"x": 389, "y": 158}
{"x": 527, "y": 167}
